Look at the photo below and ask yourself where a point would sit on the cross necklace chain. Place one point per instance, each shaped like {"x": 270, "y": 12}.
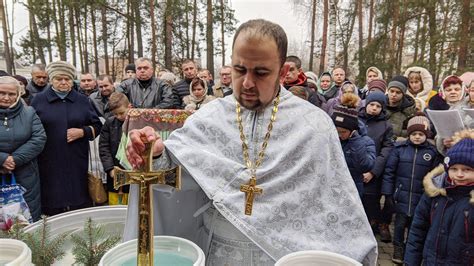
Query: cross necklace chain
{"x": 250, "y": 189}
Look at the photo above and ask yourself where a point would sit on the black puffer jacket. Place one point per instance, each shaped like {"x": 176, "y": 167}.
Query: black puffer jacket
{"x": 381, "y": 132}
{"x": 109, "y": 142}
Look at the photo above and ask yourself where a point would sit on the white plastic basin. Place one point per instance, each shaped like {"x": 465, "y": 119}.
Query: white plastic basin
{"x": 111, "y": 218}
{"x": 14, "y": 253}
{"x": 315, "y": 257}
{"x": 126, "y": 252}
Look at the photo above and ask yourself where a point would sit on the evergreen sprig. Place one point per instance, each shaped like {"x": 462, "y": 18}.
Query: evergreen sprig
{"x": 45, "y": 251}
{"x": 90, "y": 246}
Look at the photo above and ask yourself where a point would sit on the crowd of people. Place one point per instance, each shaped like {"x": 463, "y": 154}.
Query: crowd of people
{"x": 389, "y": 143}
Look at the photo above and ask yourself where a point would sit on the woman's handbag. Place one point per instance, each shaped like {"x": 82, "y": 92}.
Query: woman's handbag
{"x": 96, "y": 187}
{"x": 13, "y": 207}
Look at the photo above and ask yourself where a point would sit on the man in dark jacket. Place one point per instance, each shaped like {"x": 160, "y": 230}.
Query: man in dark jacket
{"x": 181, "y": 88}
{"x": 100, "y": 98}
{"x": 296, "y": 77}
{"x": 87, "y": 84}
{"x": 146, "y": 91}
{"x": 39, "y": 80}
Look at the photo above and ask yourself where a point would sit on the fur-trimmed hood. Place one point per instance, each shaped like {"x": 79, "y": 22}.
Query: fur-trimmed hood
{"x": 426, "y": 79}
{"x": 434, "y": 183}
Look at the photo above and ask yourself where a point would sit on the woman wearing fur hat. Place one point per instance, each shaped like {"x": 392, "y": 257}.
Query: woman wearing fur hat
{"x": 359, "y": 150}
{"x": 22, "y": 138}
{"x": 442, "y": 229}
{"x": 70, "y": 121}
{"x": 420, "y": 83}
{"x": 197, "y": 95}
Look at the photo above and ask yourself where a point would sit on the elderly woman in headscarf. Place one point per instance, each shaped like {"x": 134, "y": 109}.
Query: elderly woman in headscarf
{"x": 197, "y": 95}
{"x": 22, "y": 139}
{"x": 70, "y": 121}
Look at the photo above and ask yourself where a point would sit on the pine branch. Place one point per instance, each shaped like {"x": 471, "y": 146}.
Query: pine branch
{"x": 92, "y": 244}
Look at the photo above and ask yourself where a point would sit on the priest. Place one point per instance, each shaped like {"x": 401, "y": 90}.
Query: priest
{"x": 263, "y": 171}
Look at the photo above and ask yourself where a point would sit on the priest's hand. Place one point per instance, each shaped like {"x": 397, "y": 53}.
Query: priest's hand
{"x": 136, "y": 145}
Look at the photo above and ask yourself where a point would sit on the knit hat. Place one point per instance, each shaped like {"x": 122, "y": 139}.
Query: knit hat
{"x": 419, "y": 123}
{"x": 130, "y": 67}
{"x": 61, "y": 68}
{"x": 345, "y": 115}
{"x": 400, "y": 82}
{"x": 377, "y": 84}
{"x": 461, "y": 153}
{"x": 376, "y": 96}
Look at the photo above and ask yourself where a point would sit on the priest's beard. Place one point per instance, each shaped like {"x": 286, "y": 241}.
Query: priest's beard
{"x": 255, "y": 105}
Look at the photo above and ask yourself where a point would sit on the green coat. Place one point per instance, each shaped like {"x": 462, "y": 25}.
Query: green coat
{"x": 399, "y": 115}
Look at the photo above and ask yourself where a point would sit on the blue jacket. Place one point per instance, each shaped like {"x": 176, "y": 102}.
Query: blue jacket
{"x": 22, "y": 136}
{"x": 442, "y": 231}
{"x": 63, "y": 166}
{"x": 359, "y": 152}
{"x": 381, "y": 132}
{"x": 403, "y": 178}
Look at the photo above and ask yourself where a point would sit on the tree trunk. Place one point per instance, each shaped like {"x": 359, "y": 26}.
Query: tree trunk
{"x": 138, "y": 25}
{"x": 168, "y": 33}
{"x": 417, "y": 38}
{"x": 79, "y": 34}
{"x": 56, "y": 26}
{"x": 210, "y": 38}
{"x": 463, "y": 29}
{"x": 131, "y": 31}
{"x": 431, "y": 9}
{"x": 393, "y": 36}
{"x": 6, "y": 42}
{"x": 94, "y": 41}
{"x": 443, "y": 39}
{"x": 62, "y": 31}
{"x": 72, "y": 34}
{"x": 105, "y": 37}
{"x": 49, "y": 39}
{"x": 34, "y": 31}
{"x": 361, "y": 36}
{"x": 401, "y": 40}
{"x": 193, "y": 42}
{"x": 322, "y": 62}
{"x": 346, "y": 41}
{"x": 332, "y": 35}
{"x": 313, "y": 29}
{"x": 153, "y": 33}
{"x": 223, "y": 32}
{"x": 85, "y": 48}
{"x": 32, "y": 37}
{"x": 371, "y": 21}
{"x": 423, "y": 38}
{"x": 187, "y": 29}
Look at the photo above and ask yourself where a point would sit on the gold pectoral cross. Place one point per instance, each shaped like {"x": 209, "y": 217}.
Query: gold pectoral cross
{"x": 250, "y": 190}
{"x": 145, "y": 177}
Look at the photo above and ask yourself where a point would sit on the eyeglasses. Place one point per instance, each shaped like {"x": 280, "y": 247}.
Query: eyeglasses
{"x": 225, "y": 74}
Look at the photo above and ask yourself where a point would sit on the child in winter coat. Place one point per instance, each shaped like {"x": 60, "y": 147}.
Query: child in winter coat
{"x": 359, "y": 150}
{"x": 381, "y": 132}
{"x": 442, "y": 229}
{"x": 400, "y": 106}
{"x": 109, "y": 142}
{"x": 197, "y": 95}
{"x": 408, "y": 163}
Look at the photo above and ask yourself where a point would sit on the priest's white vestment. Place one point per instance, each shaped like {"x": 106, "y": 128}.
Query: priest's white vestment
{"x": 309, "y": 200}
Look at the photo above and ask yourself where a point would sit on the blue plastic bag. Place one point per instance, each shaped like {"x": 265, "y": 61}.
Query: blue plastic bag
{"x": 12, "y": 204}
